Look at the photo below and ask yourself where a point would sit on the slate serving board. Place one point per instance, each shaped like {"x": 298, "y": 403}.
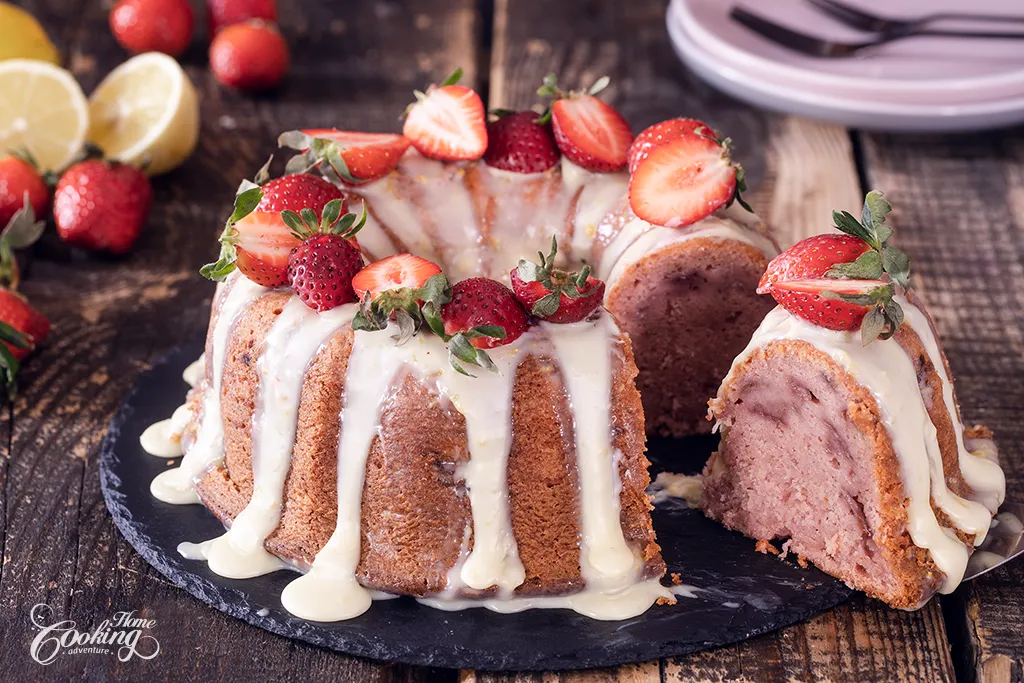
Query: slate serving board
{"x": 741, "y": 593}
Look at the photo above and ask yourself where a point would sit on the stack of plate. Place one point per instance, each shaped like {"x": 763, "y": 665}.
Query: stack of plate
{"x": 921, "y": 84}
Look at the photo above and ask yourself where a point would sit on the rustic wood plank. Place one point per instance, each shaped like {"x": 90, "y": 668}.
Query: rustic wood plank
{"x": 799, "y": 171}
{"x": 959, "y": 212}
{"x": 113, "y": 318}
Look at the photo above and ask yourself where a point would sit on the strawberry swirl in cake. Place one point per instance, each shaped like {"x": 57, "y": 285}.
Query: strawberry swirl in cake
{"x": 398, "y": 398}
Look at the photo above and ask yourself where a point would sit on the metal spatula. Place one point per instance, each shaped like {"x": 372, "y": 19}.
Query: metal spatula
{"x": 1004, "y": 542}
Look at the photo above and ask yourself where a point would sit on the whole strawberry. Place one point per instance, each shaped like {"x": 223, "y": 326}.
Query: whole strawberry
{"x": 222, "y": 13}
{"x": 19, "y": 177}
{"x": 153, "y": 25}
{"x": 320, "y": 270}
{"x": 101, "y": 205}
{"x": 251, "y": 56}
{"x": 485, "y": 306}
{"x": 519, "y": 143}
{"x": 846, "y": 281}
{"x": 556, "y": 295}
{"x": 299, "y": 191}
{"x": 16, "y": 312}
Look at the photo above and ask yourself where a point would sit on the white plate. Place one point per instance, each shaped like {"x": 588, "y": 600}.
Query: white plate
{"x": 736, "y": 79}
{"x": 913, "y": 71}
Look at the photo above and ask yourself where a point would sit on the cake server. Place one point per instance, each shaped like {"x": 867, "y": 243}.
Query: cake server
{"x": 1004, "y": 542}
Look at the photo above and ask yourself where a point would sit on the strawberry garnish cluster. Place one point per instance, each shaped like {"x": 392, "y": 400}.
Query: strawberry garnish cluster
{"x": 844, "y": 281}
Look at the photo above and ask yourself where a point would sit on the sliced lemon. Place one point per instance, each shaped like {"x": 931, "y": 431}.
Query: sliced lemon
{"x": 43, "y": 110}
{"x": 21, "y": 36}
{"x": 146, "y": 113}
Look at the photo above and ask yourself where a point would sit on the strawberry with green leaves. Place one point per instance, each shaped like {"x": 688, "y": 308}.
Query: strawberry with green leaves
{"x": 448, "y": 122}
{"x": 588, "y": 131}
{"x": 21, "y": 182}
{"x": 322, "y": 267}
{"x": 22, "y": 327}
{"x": 844, "y": 281}
{"x": 556, "y": 295}
{"x": 256, "y": 239}
{"x": 351, "y": 158}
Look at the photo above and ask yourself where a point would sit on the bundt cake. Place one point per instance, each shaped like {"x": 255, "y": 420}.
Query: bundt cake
{"x": 339, "y": 428}
{"x": 845, "y": 446}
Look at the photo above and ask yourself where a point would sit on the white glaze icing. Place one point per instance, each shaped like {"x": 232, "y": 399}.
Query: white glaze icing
{"x": 178, "y": 485}
{"x": 294, "y": 338}
{"x": 194, "y": 373}
{"x": 688, "y": 488}
{"x": 885, "y": 369}
{"x": 163, "y": 439}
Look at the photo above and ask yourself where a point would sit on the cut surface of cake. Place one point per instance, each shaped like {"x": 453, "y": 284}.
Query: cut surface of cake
{"x": 852, "y": 454}
{"x": 383, "y": 413}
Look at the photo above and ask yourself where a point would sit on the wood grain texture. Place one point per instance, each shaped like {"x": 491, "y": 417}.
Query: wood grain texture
{"x": 958, "y": 208}
{"x": 113, "y": 318}
{"x": 798, "y": 172}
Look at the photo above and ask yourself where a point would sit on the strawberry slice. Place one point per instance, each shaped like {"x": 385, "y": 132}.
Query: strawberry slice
{"x": 660, "y": 133}
{"x": 591, "y": 133}
{"x": 822, "y": 301}
{"x": 683, "y": 181}
{"x": 447, "y": 122}
{"x": 394, "y": 272}
{"x": 264, "y": 243}
{"x": 355, "y": 157}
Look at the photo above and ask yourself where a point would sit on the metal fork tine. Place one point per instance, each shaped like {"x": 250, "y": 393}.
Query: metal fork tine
{"x": 789, "y": 38}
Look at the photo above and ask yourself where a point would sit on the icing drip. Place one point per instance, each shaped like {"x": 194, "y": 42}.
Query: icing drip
{"x": 163, "y": 439}
{"x": 193, "y": 374}
{"x": 178, "y": 485}
{"x": 982, "y": 474}
{"x": 583, "y": 351}
{"x": 884, "y": 368}
{"x": 295, "y": 337}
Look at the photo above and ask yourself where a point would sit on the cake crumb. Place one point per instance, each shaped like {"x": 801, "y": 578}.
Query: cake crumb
{"x": 801, "y": 561}
{"x": 766, "y": 547}
{"x": 677, "y": 580}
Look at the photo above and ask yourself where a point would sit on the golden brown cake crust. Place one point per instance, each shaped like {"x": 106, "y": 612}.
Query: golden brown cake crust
{"x": 416, "y": 517}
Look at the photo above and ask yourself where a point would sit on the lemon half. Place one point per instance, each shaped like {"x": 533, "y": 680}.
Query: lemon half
{"x": 21, "y": 36}
{"x": 146, "y": 113}
{"x": 42, "y": 110}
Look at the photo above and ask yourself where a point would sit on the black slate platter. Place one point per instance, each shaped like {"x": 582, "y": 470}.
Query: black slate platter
{"x": 741, "y": 593}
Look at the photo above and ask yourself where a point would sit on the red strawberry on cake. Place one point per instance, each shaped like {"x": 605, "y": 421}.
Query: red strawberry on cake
{"x": 840, "y": 417}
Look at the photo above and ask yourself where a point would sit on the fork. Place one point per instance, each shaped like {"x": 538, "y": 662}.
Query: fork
{"x": 1004, "y": 542}
{"x": 865, "y": 21}
{"x": 821, "y": 47}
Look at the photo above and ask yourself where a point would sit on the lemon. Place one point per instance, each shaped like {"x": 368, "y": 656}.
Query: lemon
{"x": 21, "y": 36}
{"x": 42, "y": 110}
{"x": 146, "y": 113}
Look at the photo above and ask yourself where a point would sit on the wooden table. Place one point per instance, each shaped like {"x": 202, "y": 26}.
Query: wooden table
{"x": 959, "y": 212}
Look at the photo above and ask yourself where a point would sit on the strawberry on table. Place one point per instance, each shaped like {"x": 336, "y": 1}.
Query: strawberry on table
{"x": 258, "y": 240}
{"x": 18, "y": 178}
{"x": 401, "y": 271}
{"x": 844, "y": 281}
{"x": 660, "y": 133}
{"x": 222, "y": 13}
{"x": 556, "y": 295}
{"x": 447, "y": 122}
{"x": 251, "y": 56}
{"x": 16, "y": 312}
{"x": 101, "y": 205}
{"x": 321, "y": 268}
{"x": 685, "y": 180}
{"x": 353, "y": 157}
{"x": 153, "y": 25}
{"x": 518, "y": 142}
{"x": 590, "y": 132}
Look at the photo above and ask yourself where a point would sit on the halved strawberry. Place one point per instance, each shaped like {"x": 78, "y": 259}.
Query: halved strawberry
{"x": 660, "y": 133}
{"x": 447, "y": 122}
{"x": 844, "y": 281}
{"x": 394, "y": 272}
{"x": 354, "y": 157}
{"x": 684, "y": 181}
{"x": 264, "y": 242}
{"x": 591, "y": 133}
